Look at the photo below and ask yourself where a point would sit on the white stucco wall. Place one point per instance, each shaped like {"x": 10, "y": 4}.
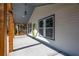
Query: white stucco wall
{"x": 66, "y": 25}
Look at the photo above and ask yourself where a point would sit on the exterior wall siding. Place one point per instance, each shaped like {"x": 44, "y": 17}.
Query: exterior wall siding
{"x": 66, "y": 25}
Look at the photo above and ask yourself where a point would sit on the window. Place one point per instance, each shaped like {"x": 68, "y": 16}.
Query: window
{"x": 47, "y": 27}
{"x": 41, "y": 27}
{"x": 29, "y": 27}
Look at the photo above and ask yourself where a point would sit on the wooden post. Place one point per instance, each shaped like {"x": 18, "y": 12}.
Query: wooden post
{"x": 3, "y": 35}
{"x": 11, "y": 33}
{"x": 4, "y": 9}
{"x": 11, "y": 27}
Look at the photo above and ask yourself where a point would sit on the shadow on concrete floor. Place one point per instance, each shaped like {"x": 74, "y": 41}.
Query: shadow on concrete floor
{"x": 27, "y": 46}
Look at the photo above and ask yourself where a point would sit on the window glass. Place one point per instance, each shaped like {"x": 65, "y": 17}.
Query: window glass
{"x": 41, "y": 32}
{"x": 30, "y": 25}
{"x": 41, "y": 23}
{"x": 49, "y": 22}
{"x": 49, "y": 33}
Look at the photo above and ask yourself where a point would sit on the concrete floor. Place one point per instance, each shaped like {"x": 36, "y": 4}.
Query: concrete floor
{"x": 26, "y": 46}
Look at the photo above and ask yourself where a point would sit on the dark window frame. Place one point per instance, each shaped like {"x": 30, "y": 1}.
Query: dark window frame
{"x": 53, "y": 26}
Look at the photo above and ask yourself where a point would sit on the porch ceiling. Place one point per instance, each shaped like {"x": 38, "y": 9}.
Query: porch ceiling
{"x": 19, "y": 11}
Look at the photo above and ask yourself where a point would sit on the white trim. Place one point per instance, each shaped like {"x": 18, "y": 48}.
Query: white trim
{"x": 44, "y": 31}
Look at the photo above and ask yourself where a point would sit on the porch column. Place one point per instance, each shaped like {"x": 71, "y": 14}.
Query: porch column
{"x": 11, "y": 27}
{"x": 3, "y": 35}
